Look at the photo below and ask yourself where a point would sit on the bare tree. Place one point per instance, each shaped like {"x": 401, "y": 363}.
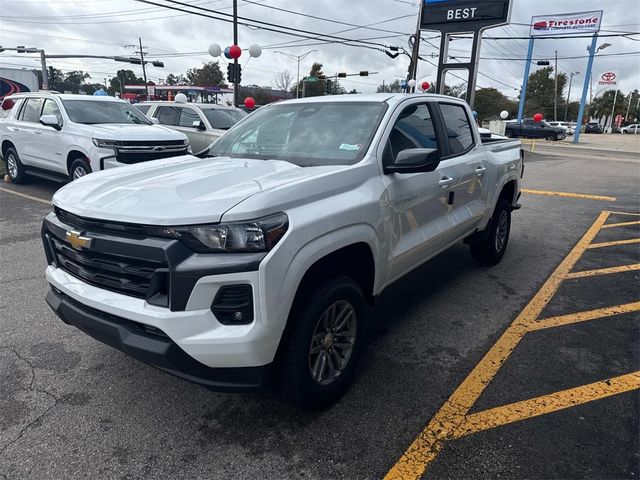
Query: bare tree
{"x": 284, "y": 80}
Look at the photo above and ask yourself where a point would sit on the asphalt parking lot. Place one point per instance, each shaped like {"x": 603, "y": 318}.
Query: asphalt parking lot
{"x": 530, "y": 369}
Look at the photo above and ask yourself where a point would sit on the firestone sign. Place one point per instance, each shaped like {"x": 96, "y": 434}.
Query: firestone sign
{"x": 566, "y": 23}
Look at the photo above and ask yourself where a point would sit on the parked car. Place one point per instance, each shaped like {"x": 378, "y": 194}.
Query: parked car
{"x": 64, "y": 137}
{"x": 634, "y": 129}
{"x": 532, "y": 129}
{"x": 203, "y": 123}
{"x": 568, "y": 128}
{"x": 257, "y": 264}
{"x": 593, "y": 127}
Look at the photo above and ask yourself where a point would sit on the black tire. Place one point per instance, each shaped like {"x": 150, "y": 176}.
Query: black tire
{"x": 509, "y": 134}
{"x": 485, "y": 247}
{"x": 296, "y": 360}
{"x": 79, "y": 168}
{"x": 15, "y": 168}
{"x": 552, "y": 137}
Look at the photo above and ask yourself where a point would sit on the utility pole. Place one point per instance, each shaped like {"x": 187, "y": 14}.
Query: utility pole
{"x": 626, "y": 117}
{"x": 415, "y": 52}
{"x": 613, "y": 110}
{"x": 555, "y": 97}
{"x": 144, "y": 70}
{"x": 566, "y": 111}
{"x": 236, "y": 84}
{"x": 297, "y": 58}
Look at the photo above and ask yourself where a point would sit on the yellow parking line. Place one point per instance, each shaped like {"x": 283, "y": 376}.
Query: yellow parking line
{"x": 626, "y": 213}
{"x": 623, "y": 224}
{"x": 569, "y": 195}
{"x": 613, "y": 244}
{"x": 425, "y": 448}
{"x": 603, "y": 271}
{"x": 24, "y": 195}
{"x": 585, "y": 316}
{"x": 545, "y": 404}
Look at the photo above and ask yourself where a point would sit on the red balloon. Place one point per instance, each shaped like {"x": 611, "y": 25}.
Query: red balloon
{"x": 235, "y": 51}
{"x": 537, "y": 117}
{"x": 249, "y": 102}
{"x": 425, "y": 86}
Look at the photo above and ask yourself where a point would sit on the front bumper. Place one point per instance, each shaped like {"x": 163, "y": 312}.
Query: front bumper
{"x": 152, "y": 346}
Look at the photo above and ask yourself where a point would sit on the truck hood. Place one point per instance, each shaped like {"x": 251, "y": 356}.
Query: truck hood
{"x": 176, "y": 191}
{"x": 126, "y": 132}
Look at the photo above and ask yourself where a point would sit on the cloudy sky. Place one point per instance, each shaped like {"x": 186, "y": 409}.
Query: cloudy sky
{"x": 107, "y": 27}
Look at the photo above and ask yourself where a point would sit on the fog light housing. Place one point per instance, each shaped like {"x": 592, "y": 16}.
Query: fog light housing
{"x": 233, "y": 305}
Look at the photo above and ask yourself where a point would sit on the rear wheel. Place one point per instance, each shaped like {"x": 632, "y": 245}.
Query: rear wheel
{"x": 15, "y": 169}
{"x": 489, "y": 246}
{"x": 552, "y": 137}
{"x": 509, "y": 134}
{"x": 320, "y": 356}
{"x": 79, "y": 168}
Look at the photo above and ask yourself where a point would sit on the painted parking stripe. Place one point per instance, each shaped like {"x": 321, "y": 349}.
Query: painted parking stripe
{"x": 613, "y": 244}
{"x": 623, "y": 224}
{"x": 545, "y": 404}
{"x": 585, "y": 316}
{"x": 429, "y": 442}
{"x": 569, "y": 195}
{"x": 603, "y": 271}
{"x": 633, "y": 214}
{"x": 24, "y": 195}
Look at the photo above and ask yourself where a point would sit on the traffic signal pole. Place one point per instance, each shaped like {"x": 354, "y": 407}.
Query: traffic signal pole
{"x": 236, "y": 83}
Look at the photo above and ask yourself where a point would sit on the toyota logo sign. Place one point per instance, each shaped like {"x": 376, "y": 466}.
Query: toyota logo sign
{"x": 608, "y": 76}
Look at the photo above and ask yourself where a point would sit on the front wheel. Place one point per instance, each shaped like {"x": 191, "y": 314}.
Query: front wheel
{"x": 552, "y": 137}
{"x": 15, "y": 169}
{"x": 79, "y": 168}
{"x": 320, "y": 356}
{"x": 489, "y": 246}
{"x": 509, "y": 134}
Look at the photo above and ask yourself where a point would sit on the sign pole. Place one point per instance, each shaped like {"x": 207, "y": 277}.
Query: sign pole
{"x": 525, "y": 81}
{"x": 613, "y": 110}
{"x": 585, "y": 88}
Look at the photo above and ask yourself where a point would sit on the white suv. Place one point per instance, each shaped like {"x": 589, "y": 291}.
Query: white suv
{"x": 68, "y": 136}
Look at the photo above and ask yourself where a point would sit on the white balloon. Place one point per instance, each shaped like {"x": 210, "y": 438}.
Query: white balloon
{"x": 255, "y": 50}
{"x": 181, "y": 98}
{"x": 412, "y": 83}
{"x": 215, "y": 50}
{"x": 504, "y": 114}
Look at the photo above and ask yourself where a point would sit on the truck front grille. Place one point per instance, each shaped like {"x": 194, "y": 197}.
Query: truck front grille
{"x": 143, "y": 151}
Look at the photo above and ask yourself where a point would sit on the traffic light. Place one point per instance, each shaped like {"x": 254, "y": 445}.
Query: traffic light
{"x": 1, "y": 49}
{"x": 364, "y": 73}
{"x": 21, "y": 49}
{"x": 231, "y": 71}
{"x": 239, "y": 74}
{"x": 157, "y": 63}
{"x": 342, "y": 75}
{"x": 544, "y": 63}
{"x": 328, "y": 87}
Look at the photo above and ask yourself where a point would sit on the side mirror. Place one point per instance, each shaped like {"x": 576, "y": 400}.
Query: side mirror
{"x": 199, "y": 124}
{"x": 50, "y": 121}
{"x": 154, "y": 120}
{"x": 415, "y": 160}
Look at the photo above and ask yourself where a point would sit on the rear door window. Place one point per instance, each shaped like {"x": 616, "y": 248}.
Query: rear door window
{"x": 458, "y": 128}
{"x": 187, "y": 117}
{"x": 31, "y": 111}
{"x": 168, "y": 115}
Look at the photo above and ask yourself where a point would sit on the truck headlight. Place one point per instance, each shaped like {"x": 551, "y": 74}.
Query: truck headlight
{"x": 98, "y": 142}
{"x": 259, "y": 235}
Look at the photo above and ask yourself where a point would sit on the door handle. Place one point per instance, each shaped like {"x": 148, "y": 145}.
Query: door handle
{"x": 480, "y": 171}
{"x": 445, "y": 181}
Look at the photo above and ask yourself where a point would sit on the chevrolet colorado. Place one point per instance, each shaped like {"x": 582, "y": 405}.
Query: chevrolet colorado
{"x": 255, "y": 266}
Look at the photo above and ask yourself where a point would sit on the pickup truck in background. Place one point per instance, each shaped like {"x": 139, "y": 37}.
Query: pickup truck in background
{"x": 255, "y": 266}
{"x": 529, "y": 128}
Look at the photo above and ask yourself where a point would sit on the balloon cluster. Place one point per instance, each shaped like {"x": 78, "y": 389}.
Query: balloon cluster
{"x": 234, "y": 51}
{"x": 424, "y": 85}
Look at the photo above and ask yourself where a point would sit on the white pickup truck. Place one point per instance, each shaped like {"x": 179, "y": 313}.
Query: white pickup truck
{"x": 254, "y": 267}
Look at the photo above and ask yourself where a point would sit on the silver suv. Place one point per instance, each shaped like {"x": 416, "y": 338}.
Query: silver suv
{"x": 203, "y": 123}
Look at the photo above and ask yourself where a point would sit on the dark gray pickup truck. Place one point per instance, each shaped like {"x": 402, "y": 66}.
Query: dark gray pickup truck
{"x": 532, "y": 129}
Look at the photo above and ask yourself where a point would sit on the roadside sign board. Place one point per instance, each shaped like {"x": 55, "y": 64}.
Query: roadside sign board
{"x": 566, "y": 23}
{"x": 607, "y": 80}
{"x": 463, "y": 15}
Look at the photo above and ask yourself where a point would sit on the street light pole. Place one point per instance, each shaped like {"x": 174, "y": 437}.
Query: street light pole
{"x": 297, "y": 58}
{"x": 144, "y": 70}
{"x": 566, "y": 111}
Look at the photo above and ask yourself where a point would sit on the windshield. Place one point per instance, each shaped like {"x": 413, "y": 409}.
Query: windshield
{"x": 305, "y": 134}
{"x": 91, "y": 111}
{"x": 223, "y": 119}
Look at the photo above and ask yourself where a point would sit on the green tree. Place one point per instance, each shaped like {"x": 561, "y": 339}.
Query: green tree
{"x": 541, "y": 91}
{"x": 175, "y": 79}
{"x": 393, "y": 87}
{"x": 208, "y": 75}
{"x": 314, "y": 88}
{"x": 490, "y": 102}
{"x": 122, "y": 78}
{"x": 602, "y": 105}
